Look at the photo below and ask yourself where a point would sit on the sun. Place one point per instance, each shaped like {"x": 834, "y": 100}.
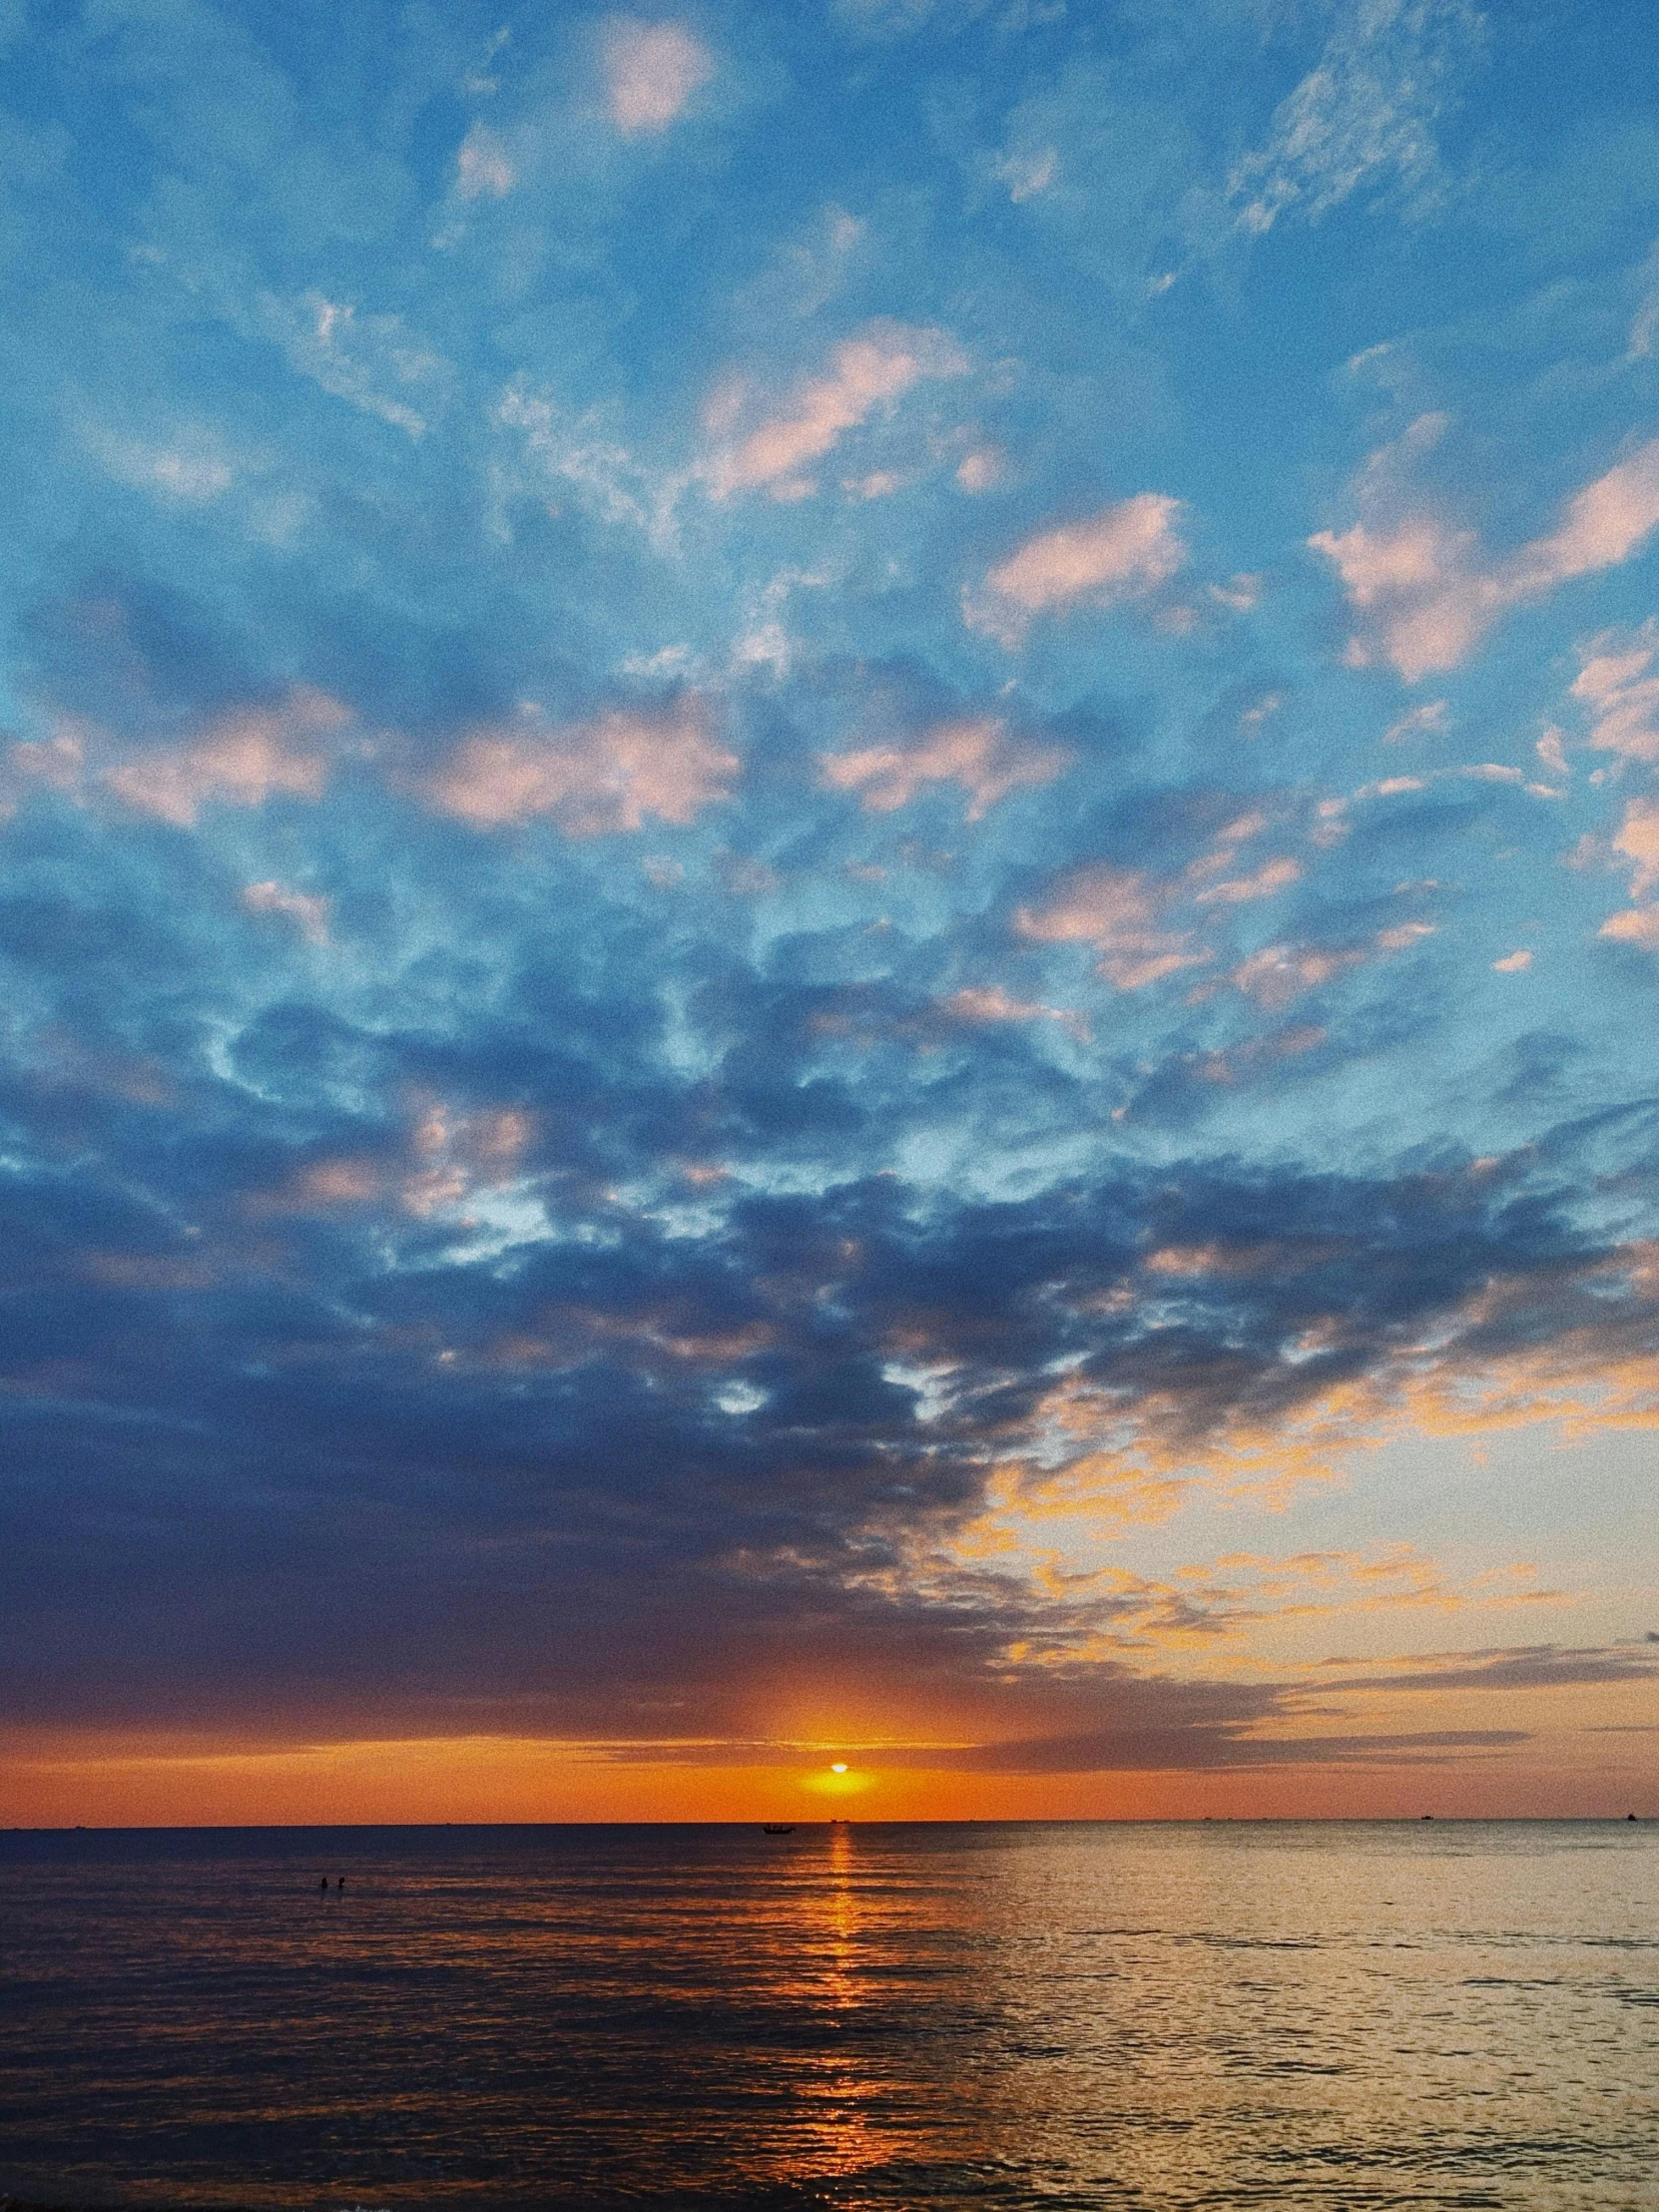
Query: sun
{"x": 838, "y": 1779}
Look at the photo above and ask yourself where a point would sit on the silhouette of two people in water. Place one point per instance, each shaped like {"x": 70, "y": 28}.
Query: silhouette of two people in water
{"x": 322, "y": 1886}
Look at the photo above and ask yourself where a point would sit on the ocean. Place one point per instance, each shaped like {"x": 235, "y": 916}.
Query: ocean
{"x": 1217, "y": 2015}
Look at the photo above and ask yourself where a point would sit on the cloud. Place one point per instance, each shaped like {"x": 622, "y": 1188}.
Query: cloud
{"x": 1426, "y": 593}
{"x": 370, "y": 362}
{"x": 596, "y": 1283}
{"x": 1619, "y": 688}
{"x": 1638, "y": 839}
{"x": 981, "y": 469}
{"x": 193, "y": 469}
{"x": 1428, "y": 720}
{"x": 867, "y": 374}
{"x": 242, "y": 759}
{"x": 979, "y": 755}
{"x": 309, "y": 912}
{"x": 1269, "y": 877}
{"x": 483, "y": 167}
{"x": 1123, "y": 911}
{"x": 652, "y": 72}
{"x": 616, "y": 773}
{"x": 1637, "y": 842}
{"x": 1532, "y": 1667}
{"x": 981, "y": 1004}
{"x": 1637, "y": 925}
{"x": 1122, "y": 553}
{"x": 1118, "y": 912}
{"x": 1367, "y": 111}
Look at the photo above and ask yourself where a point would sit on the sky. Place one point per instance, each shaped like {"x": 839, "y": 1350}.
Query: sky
{"x": 829, "y": 909}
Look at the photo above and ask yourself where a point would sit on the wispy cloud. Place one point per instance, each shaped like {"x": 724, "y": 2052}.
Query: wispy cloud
{"x": 371, "y": 362}
{"x": 758, "y": 445}
{"x": 1131, "y": 915}
{"x": 1365, "y": 115}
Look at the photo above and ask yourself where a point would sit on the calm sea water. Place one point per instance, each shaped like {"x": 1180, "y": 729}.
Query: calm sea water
{"x": 1261, "y": 2016}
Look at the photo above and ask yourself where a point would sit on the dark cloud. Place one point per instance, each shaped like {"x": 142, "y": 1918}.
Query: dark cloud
{"x": 1539, "y": 1667}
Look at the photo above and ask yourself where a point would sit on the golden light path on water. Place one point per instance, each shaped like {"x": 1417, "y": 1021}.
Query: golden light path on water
{"x": 856, "y": 2015}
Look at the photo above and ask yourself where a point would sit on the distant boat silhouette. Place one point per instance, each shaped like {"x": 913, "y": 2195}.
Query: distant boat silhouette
{"x": 778, "y": 1828}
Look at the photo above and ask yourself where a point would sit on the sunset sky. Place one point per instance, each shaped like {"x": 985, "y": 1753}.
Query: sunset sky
{"x": 829, "y": 909}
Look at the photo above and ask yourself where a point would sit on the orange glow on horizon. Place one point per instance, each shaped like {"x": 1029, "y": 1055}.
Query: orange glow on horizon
{"x": 68, "y": 1782}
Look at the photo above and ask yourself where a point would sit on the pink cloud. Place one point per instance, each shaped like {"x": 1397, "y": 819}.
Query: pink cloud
{"x": 1278, "y": 973}
{"x": 1124, "y": 552}
{"x": 241, "y": 760}
{"x": 873, "y": 371}
{"x": 992, "y": 1004}
{"x": 652, "y": 71}
{"x": 1273, "y": 876}
{"x": 456, "y": 1155}
{"x": 1118, "y": 912}
{"x": 1122, "y": 911}
{"x": 1638, "y": 926}
{"x": 451, "y": 1157}
{"x": 1619, "y": 688}
{"x": 979, "y": 755}
{"x": 982, "y": 469}
{"x": 1424, "y": 591}
{"x": 613, "y": 773}
{"x": 1637, "y": 841}
{"x": 1423, "y": 605}
{"x": 1605, "y": 523}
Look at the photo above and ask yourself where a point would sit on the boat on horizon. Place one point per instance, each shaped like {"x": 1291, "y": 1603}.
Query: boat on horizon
{"x": 778, "y": 1828}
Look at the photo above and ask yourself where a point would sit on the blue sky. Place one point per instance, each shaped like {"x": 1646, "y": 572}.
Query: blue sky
{"x": 830, "y": 903}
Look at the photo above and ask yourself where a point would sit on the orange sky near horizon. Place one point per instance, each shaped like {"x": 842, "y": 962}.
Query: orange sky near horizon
{"x": 67, "y": 1782}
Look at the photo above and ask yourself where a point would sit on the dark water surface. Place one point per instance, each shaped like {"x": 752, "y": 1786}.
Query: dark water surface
{"x": 1228, "y": 2016}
